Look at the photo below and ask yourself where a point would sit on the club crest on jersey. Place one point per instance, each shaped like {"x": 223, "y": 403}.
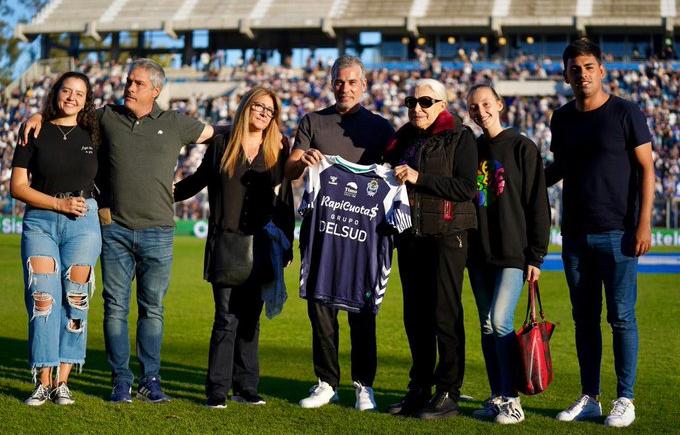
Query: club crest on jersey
{"x": 351, "y": 189}
{"x": 372, "y": 187}
{"x": 333, "y": 180}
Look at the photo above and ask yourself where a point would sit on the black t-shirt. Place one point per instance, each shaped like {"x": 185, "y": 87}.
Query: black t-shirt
{"x": 58, "y": 165}
{"x": 594, "y": 154}
{"x": 358, "y": 137}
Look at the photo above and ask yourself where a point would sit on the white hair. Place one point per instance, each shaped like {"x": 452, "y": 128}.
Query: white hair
{"x": 437, "y": 87}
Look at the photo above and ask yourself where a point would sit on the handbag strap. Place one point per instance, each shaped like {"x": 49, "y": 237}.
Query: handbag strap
{"x": 530, "y": 316}
{"x": 534, "y": 295}
{"x": 538, "y": 297}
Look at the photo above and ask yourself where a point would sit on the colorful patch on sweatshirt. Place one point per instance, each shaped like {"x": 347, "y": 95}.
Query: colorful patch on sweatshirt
{"x": 490, "y": 181}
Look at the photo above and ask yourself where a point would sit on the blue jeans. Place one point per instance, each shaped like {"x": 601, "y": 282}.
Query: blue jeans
{"x": 147, "y": 255}
{"x": 58, "y": 334}
{"x": 497, "y": 290}
{"x": 590, "y": 261}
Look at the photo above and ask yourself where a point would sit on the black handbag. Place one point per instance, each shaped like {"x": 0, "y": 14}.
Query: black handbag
{"x": 232, "y": 258}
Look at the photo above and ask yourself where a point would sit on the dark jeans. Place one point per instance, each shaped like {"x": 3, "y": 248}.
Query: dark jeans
{"x": 589, "y": 262}
{"x": 431, "y": 272}
{"x": 232, "y": 358}
{"x": 325, "y": 335}
{"x": 146, "y": 255}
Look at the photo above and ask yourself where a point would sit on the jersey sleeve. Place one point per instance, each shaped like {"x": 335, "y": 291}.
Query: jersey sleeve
{"x": 312, "y": 186}
{"x": 397, "y": 208}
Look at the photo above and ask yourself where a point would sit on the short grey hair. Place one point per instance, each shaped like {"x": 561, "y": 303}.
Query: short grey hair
{"x": 346, "y": 61}
{"x": 437, "y": 87}
{"x": 156, "y": 72}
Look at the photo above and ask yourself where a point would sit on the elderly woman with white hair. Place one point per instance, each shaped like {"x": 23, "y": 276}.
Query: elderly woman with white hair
{"x": 435, "y": 154}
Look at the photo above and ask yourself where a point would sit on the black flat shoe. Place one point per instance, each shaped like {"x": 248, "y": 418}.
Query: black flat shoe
{"x": 414, "y": 400}
{"x": 440, "y": 406}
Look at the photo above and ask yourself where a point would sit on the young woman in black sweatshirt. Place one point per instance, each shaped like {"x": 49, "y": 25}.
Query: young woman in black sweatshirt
{"x": 512, "y": 238}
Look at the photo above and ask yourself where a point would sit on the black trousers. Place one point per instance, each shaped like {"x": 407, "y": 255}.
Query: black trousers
{"x": 325, "y": 335}
{"x": 431, "y": 270}
{"x": 232, "y": 358}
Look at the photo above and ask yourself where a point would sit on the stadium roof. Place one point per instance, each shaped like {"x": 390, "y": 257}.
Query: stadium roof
{"x": 248, "y": 17}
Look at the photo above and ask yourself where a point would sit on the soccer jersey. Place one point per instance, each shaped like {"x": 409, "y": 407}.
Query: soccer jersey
{"x": 350, "y": 214}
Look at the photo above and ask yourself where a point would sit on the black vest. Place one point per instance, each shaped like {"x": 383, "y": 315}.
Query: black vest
{"x": 433, "y": 215}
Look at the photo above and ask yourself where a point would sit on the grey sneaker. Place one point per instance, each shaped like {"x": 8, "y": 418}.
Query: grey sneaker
{"x": 62, "y": 395}
{"x": 40, "y": 395}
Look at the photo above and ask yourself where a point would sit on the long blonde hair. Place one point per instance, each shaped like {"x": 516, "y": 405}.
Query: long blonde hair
{"x": 271, "y": 143}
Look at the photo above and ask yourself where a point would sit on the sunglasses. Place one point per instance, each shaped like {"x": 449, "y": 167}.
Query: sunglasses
{"x": 425, "y": 102}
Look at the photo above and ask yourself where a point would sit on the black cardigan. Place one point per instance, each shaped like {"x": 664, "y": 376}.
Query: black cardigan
{"x": 250, "y": 202}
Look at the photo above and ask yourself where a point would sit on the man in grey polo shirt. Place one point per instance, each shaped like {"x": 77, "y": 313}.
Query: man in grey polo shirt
{"x": 136, "y": 168}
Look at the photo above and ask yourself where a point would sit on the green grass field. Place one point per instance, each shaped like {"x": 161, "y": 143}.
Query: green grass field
{"x": 286, "y": 368}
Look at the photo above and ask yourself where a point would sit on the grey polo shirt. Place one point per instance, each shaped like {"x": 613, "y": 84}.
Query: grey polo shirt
{"x": 138, "y": 161}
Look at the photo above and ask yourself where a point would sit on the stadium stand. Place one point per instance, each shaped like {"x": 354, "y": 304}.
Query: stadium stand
{"x": 654, "y": 86}
{"x": 436, "y": 16}
{"x": 211, "y": 14}
{"x": 517, "y": 44}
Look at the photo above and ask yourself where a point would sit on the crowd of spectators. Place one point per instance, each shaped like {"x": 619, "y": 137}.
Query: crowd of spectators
{"x": 654, "y": 86}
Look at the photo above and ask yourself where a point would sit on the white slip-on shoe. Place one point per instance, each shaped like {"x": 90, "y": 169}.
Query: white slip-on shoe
{"x": 320, "y": 394}
{"x": 584, "y": 408}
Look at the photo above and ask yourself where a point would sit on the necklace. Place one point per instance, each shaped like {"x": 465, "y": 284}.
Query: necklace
{"x": 67, "y": 133}
{"x": 250, "y": 156}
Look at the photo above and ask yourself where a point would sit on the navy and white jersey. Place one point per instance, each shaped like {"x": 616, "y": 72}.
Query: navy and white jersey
{"x": 350, "y": 213}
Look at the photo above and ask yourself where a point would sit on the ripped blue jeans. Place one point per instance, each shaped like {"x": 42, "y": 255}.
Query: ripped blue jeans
{"x": 57, "y": 305}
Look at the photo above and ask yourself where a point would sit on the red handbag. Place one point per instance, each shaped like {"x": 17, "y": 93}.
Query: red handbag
{"x": 535, "y": 371}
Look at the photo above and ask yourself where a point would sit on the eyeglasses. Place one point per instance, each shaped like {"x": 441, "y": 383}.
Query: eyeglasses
{"x": 425, "y": 102}
{"x": 261, "y": 108}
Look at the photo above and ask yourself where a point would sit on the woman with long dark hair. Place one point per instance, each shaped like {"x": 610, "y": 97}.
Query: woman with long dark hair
{"x": 248, "y": 196}
{"x": 61, "y": 239}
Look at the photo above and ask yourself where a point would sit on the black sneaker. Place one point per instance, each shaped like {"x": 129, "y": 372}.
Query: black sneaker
{"x": 216, "y": 404}
{"x": 249, "y": 398}
{"x": 414, "y": 400}
{"x": 440, "y": 406}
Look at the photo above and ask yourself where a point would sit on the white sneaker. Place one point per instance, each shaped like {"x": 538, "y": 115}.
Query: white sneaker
{"x": 585, "y": 407}
{"x": 622, "y": 413}
{"x": 365, "y": 400}
{"x": 510, "y": 411}
{"x": 489, "y": 408}
{"x": 62, "y": 395}
{"x": 39, "y": 396}
{"x": 320, "y": 395}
